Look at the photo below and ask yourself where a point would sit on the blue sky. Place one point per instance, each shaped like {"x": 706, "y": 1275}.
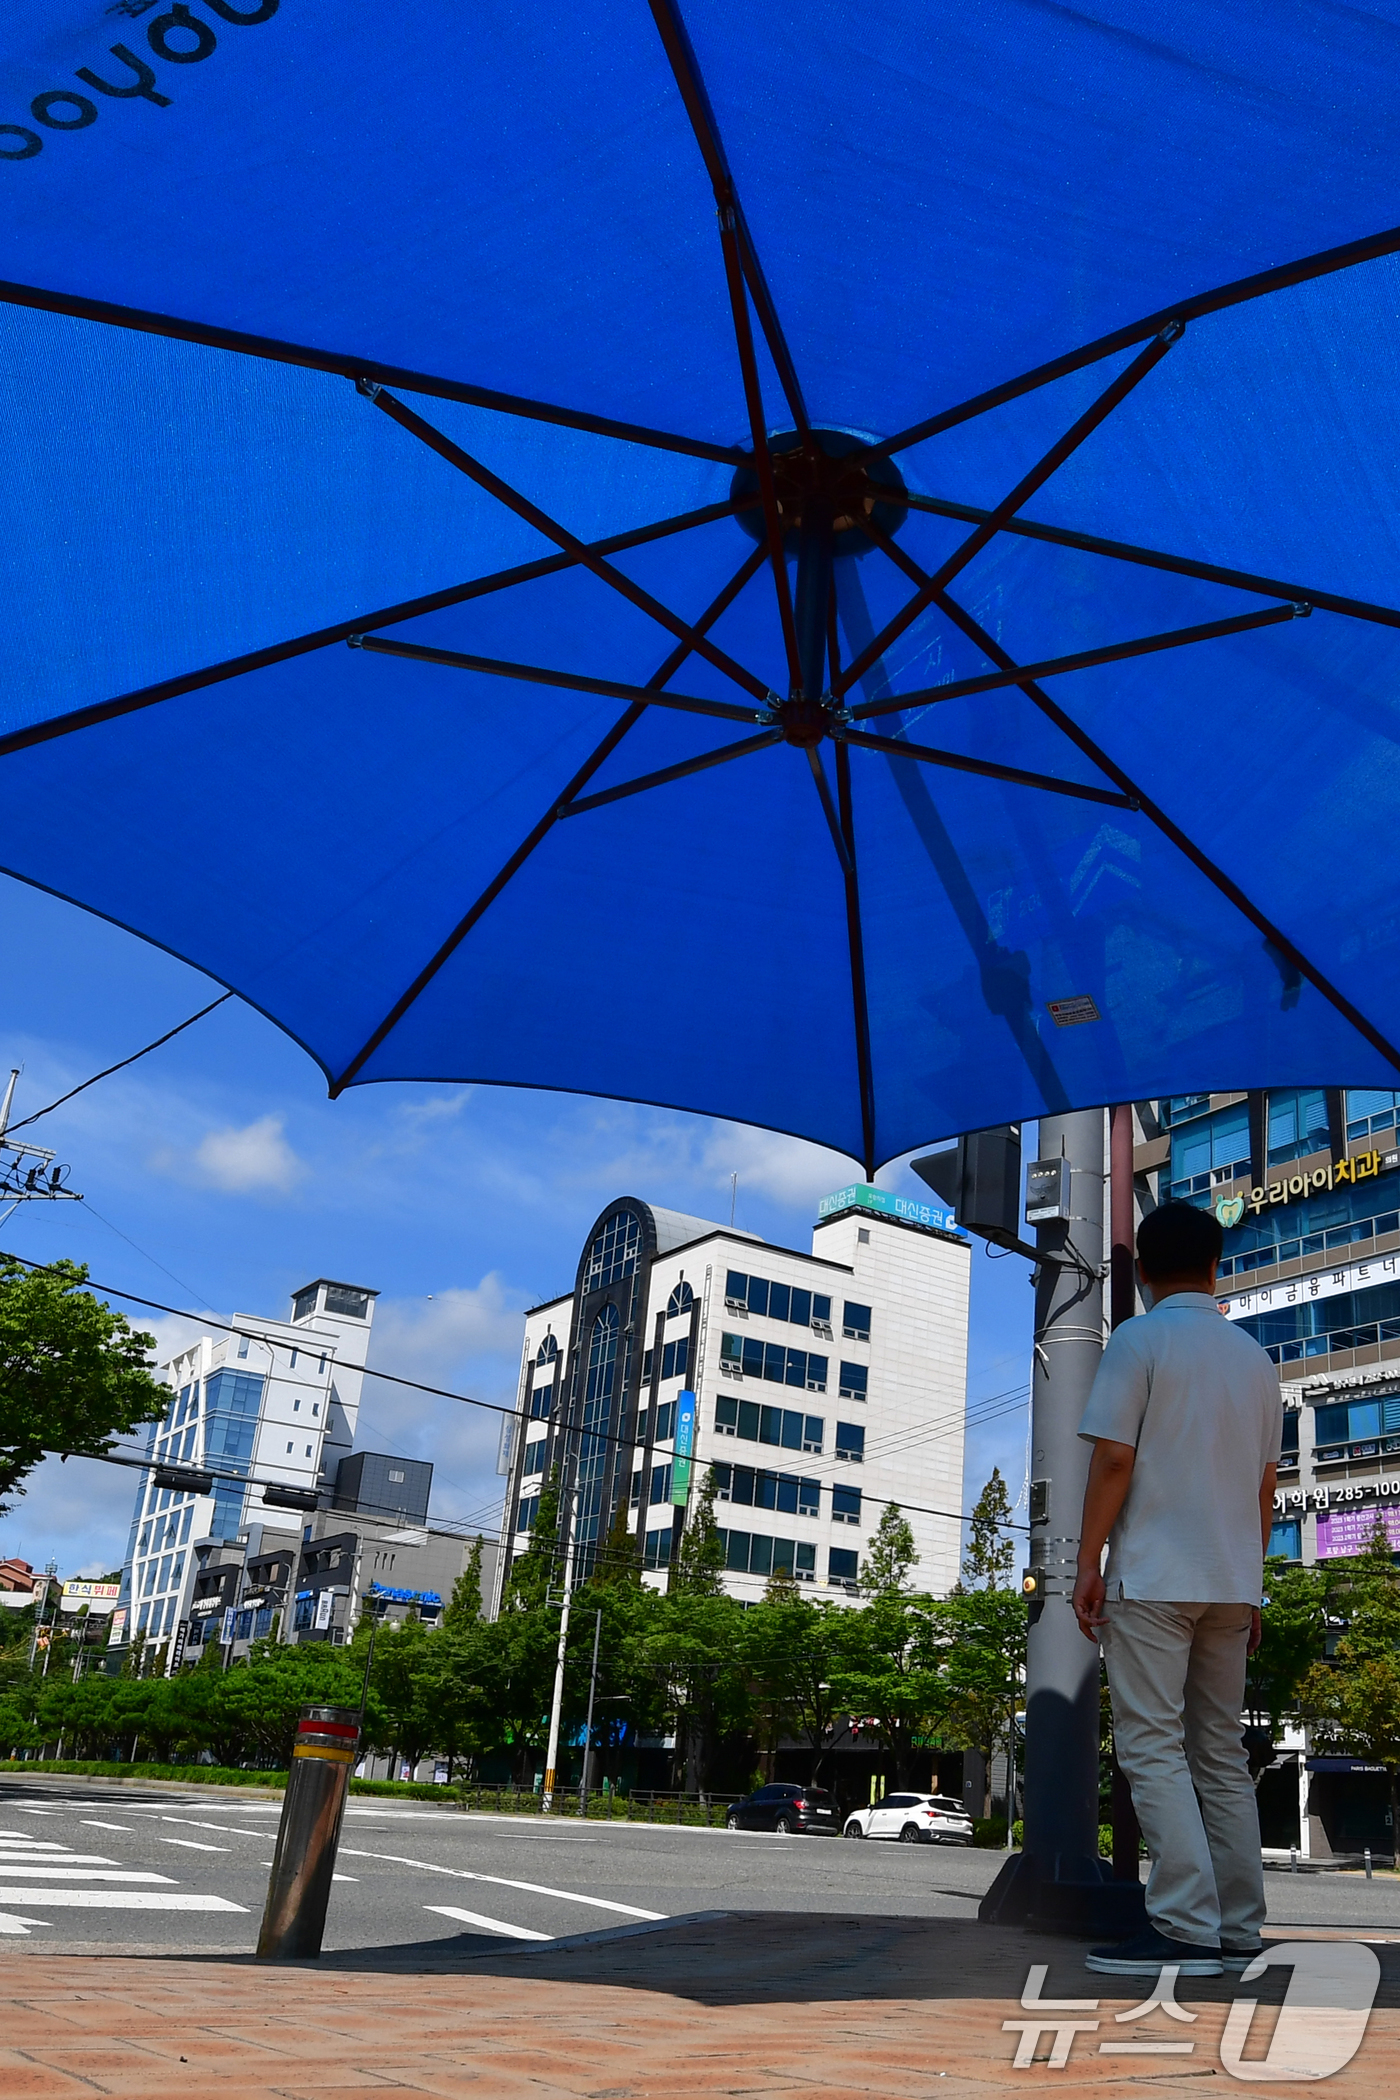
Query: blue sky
{"x": 217, "y": 1175}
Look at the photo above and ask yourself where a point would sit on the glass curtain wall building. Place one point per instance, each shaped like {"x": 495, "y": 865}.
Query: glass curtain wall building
{"x": 1306, "y": 1183}
{"x": 273, "y": 1402}
{"x": 817, "y": 1386}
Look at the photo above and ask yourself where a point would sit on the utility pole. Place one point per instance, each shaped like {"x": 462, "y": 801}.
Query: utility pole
{"x": 588, "y": 1725}
{"x": 1059, "y": 1879}
{"x": 1122, "y": 1303}
{"x": 552, "y": 1753}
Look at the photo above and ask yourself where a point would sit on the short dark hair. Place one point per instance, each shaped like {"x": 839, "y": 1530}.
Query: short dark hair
{"x": 1178, "y": 1240}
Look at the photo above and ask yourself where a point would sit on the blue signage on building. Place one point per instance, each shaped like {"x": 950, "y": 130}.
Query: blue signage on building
{"x": 862, "y": 1196}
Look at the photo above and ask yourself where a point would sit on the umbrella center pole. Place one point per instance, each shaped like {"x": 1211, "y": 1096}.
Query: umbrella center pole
{"x": 812, "y": 599}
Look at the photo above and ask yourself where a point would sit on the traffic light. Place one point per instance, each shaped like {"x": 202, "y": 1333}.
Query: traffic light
{"x": 980, "y": 1180}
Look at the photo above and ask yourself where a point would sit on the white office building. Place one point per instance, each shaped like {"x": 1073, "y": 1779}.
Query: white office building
{"x": 272, "y": 1404}
{"x": 821, "y": 1387}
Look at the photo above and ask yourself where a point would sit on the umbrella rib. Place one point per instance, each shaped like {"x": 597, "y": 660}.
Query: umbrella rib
{"x": 325, "y": 637}
{"x": 571, "y": 808}
{"x": 566, "y": 681}
{"x": 829, "y": 811}
{"x": 1172, "y": 831}
{"x": 1154, "y": 558}
{"x": 512, "y": 500}
{"x": 344, "y": 366}
{"x": 1084, "y": 659}
{"x": 1025, "y": 488}
{"x": 680, "y": 56}
{"x": 1307, "y": 268}
{"x": 528, "y": 844}
{"x": 957, "y": 763}
{"x": 855, "y": 940}
{"x": 762, "y": 457}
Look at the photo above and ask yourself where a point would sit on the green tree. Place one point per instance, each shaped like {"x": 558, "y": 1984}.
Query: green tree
{"x": 619, "y": 1560}
{"x": 1353, "y": 1701}
{"x": 73, "y": 1374}
{"x": 984, "y": 1664}
{"x": 891, "y": 1555}
{"x": 464, "y": 1605}
{"x": 1293, "y": 1637}
{"x": 990, "y": 1557}
{"x": 698, "y": 1566}
{"x": 890, "y": 1674}
{"x": 794, "y": 1649}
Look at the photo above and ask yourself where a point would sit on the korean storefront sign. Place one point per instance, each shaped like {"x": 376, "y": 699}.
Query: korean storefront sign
{"x": 1291, "y": 1188}
{"x": 685, "y": 1446}
{"x": 1324, "y": 1283}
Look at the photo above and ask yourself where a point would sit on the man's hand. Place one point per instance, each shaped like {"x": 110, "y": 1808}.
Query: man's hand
{"x": 1256, "y": 1632}
{"x": 1088, "y": 1603}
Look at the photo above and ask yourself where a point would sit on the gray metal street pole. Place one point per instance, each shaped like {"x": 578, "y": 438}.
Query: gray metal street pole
{"x": 1059, "y": 1878}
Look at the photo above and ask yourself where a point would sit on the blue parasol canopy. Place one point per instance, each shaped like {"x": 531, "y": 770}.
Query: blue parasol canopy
{"x": 833, "y": 565}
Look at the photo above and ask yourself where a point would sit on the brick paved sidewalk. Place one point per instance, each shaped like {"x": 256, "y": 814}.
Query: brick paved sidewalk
{"x": 754, "y": 2004}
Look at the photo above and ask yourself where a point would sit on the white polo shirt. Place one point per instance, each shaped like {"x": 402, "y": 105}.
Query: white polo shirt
{"x": 1199, "y": 1401}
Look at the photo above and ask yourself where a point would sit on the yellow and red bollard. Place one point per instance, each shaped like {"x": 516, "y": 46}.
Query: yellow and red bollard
{"x": 299, "y": 1890}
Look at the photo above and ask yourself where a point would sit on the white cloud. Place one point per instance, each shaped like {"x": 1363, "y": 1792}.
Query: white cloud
{"x": 255, "y": 1157}
{"x": 431, "y": 1337}
{"x": 786, "y": 1169}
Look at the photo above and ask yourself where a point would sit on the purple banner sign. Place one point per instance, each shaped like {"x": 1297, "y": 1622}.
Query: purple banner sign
{"x": 1346, "y": 1531}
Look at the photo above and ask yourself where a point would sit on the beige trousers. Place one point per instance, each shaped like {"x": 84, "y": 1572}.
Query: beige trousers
{"x": 1176, "y": 1679}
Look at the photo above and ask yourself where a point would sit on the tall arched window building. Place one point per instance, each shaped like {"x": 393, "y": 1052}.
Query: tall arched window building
{"x": 819, "y": 1387}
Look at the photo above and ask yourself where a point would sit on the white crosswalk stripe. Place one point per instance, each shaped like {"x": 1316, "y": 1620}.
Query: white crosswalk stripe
{"x": 116, "y": 1899}
{"x": 18, "y": 1871}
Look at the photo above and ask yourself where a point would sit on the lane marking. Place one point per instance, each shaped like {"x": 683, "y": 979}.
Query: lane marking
{"x": 475, "y": 1917}
{"x": 345, "y": 1877}
{"x": 9, "y": 1922}
{"x": 107, "y": 1826}
{"x": 20, "y": 1810}
{"x": 51, "y": 1873}
{"x": 533, "y": 1888}
{"x": 116, "y": 1899}
{"x": 190, "y": 1845}
{"x": 54, "y": 1859}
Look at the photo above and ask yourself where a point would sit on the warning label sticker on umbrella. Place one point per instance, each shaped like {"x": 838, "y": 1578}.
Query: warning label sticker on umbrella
{"x": 1069, "y": 1013}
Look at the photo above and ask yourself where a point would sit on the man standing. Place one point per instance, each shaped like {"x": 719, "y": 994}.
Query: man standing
{"x": 1186, "y": 1419}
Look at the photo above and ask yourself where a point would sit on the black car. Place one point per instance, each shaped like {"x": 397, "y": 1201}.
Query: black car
{"x": 787, "y": 1809}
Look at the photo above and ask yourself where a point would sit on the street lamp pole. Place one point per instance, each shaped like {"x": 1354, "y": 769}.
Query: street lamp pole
{"x": 588, "y": 1725}
{"x": 556, "y": 1704}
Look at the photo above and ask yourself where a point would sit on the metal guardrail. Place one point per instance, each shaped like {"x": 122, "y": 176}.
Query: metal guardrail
{"x": 641, "y": 1805}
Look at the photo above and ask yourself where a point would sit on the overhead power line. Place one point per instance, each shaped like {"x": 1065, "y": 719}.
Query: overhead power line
{"x": 169, "y": 1036}
{"x": 417, "y": 1385}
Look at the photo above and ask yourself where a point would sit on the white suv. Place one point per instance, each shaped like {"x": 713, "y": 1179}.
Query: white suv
{"x": 915, "y": 1819}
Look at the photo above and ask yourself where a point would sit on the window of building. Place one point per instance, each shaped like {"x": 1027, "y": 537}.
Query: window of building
{"x": 845, "y": 1505}
{"x": 1369, "y": 1111}
{"x": 675, "y": 1357}
{"x": 142, "y": 1618}
{"x": 1208, "y": 1149}
{"x": 1180, "y": 1108}
{"x": 740, "y": 1356}
{"x": 850, "y": 1442}
{"x": 305, "y": 1614}
{"x": 1297, "y": 1124}
{"x": 144, "y": 1546}
{"x": 660, "y": 1484}
{"x": 657, "y": 1552}
{"x": 1356, "y": 1421}
{"x": 855, "y": 1381}
{"x": 1288, "y": 1454}
{"x": 350, "y": 1305}
{"x": 768, "y": 1425}
{"x": 396, "y": 1473}
{"x": 534, "y": 1457}
{"x": 1324, "y": 1326}
{"x": 842, "y": 1564}
{"x": 665, "y": 1423}
{"x": 753, "y": 1553}
{"x": 526, "y": 1512}
{"x": 756, "y": 1488}
{"x": 315, "y": 1410}
{"x": 613, "y": 1254}
{"x": 289, "y": 1449}
{"x": 1286, "y": 1539}
{"x": 242, "y": 1345}
{"x": 855, "y": 1322}
{"x": 185, "y": 1524}
{"x": 294, "y": 1360}
{"x": 547, "y": 1351}
{"x": 296, "y": 1407}
{"x": 304, "y": 1303}
{"x": 539, "y": 1402}
{"x": 636, "y": 1494}
{"x": 776, "y": 1301}
{"x": 862, "y": 1235}
{"x": 680, "y": 1301}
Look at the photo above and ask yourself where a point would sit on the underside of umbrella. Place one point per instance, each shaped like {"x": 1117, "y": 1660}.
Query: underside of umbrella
{"x": 831, "y": 566}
